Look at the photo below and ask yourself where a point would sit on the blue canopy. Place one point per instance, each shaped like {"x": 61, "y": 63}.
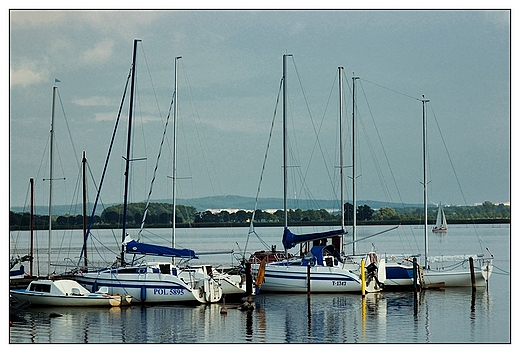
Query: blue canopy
{"x": 290, "y": 240}
{"x": 318, "y": 252}
{"x": 134, "y": 247}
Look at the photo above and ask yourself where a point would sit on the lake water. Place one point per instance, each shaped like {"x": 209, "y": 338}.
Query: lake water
{"x": 432, "y": 316}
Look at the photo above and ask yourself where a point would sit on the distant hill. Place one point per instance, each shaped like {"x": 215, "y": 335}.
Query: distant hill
{"x": 230, "y": 202}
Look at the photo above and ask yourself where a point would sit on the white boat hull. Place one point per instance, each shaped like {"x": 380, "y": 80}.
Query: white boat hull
{"x": 231, "y": 285}
{"x": 41, "y": 299}
{"x": 399, "y": 275}
{"x": 64, "y": 293}
{"x": 460, "y": 278}
{"x": 282, "y": 278}
{"x": 153, "y": 287}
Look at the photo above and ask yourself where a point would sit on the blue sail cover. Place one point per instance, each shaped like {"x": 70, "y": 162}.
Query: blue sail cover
{"x": 134, "y": 247}
{"x": 290, "y": 240}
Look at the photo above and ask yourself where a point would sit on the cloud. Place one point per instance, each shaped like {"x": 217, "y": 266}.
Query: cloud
{"x": 26, "y": 74}
{"x": 28, "y": 18}
{"x": 104, "y": 116}
{"x": 93, "y": 101}
{"x": 100, "y": 53}
{"x": 111, "y": 116}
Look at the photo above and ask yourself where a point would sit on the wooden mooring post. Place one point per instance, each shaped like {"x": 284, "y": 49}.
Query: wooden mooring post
{"x": 308, "y": 279}
{"x": 472, "y": 269}
{"x": 249, "y": 279}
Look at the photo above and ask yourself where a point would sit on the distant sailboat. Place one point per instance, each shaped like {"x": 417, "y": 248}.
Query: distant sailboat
{"x": 441, "y": 226}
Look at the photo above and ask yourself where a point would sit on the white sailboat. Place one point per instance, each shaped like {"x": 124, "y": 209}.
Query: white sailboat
{"x": 441, "y": 226}
{"x": 322, "y": 269}
{"x": 452, "y": 270}
{"x": 149, "y": 282}
{"x": 230, "y": 285}
{"x": 61, "y": 292}
{"x": 398, "y": 273}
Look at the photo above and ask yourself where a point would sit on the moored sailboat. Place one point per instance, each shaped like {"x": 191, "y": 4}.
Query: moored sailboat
{"x": 322, "y": 269}
{"x": 453, "y": 270}
{"x": 148, "y": 282}
{"x": 398, "y": 272}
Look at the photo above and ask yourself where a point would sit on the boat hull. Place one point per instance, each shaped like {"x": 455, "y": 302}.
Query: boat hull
{"x": 398, "y": 276}
{"x": 439, "y": 274}
{"x": 151, "y": 287}
{"x": 231, "y": 286}
{"x": 42, "y": 299}
{"x": 64, "y": 293}
{"x": 294, "y": 278}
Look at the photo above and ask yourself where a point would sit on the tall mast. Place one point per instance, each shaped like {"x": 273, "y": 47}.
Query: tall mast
{"x": 32, "y": 228}
{"x": 341, "y": 157}
{"x": 354, "y": 215}
{"x": 175, "y": 115}
{"x": 84, "y": 163}
{"x": 51, "y": 176}
{"x": 425, "y": 182}
{"x": 128, "y": 150}
{"x": 284, "y": 123}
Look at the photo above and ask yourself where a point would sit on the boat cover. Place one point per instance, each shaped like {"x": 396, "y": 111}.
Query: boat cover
{"x": 315, "y": 256}
{"x": 290, "y": 240}
{"x": 134, "y": 247}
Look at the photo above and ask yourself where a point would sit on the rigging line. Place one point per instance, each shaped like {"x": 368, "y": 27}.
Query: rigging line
{"x": 380, "y": 173}
{"x": 392, "y": 90}
{"x": 68, "y": 129}
{"x": 145, "y": 212}
{"x": 323, "y": 119}
{"x": 251, "y": 226}
{"x": 451, "y": 163}
{"x": 205, "y": 159}
{"x": 151, "y": 83}
{"x": 386, "y": 159}
{"x": 18, "y": 233}
{"x": 116, "y": 239}
{"x": 72, "y": 211}
{"x": 316, "y": 132}
{"x": 106, "y": 164}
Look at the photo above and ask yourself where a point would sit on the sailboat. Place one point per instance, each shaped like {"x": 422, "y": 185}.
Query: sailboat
{"x": 397, "y": 273}
{"x": 149, "y": 282}
{"x": 60, "y": 292}
{"x": 451, "y": 270}
{"x": 230, "y": 285}
{"x": 322, "y": 269}
{"x": 17, "y": 275}
{"x": 441, "y": 226}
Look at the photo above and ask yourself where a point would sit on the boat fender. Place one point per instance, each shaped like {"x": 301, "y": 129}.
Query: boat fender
{"x": 143, "y": 293}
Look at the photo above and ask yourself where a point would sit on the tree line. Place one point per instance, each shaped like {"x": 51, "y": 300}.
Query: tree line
{"x": 161, "y": 215}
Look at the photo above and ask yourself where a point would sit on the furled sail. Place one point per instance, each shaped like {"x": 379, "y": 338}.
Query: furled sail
{"x": 290, "y": 240}
{"x": 134, "y": 247}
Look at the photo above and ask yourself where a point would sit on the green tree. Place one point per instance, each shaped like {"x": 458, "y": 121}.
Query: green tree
{"x": 385, "y": 214}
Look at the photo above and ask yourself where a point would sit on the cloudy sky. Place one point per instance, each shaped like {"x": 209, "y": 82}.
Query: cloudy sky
{"x": 229, "y": 78}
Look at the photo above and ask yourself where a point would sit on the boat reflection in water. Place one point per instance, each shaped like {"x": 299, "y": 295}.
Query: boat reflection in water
{"x": 398, "y": 317}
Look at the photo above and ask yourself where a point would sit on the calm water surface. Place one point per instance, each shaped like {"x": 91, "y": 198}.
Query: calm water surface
{"x": 433, "y": 316}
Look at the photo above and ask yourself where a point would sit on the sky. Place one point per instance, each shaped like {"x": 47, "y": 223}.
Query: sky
{"x": 228, "y": 84}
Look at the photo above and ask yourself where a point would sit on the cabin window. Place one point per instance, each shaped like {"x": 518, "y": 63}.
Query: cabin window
{"x": 40, "y": 287}
{"x": 128, "y": 270}
{"x": 328, "y": 261}
{"x": 165, "y": 268}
